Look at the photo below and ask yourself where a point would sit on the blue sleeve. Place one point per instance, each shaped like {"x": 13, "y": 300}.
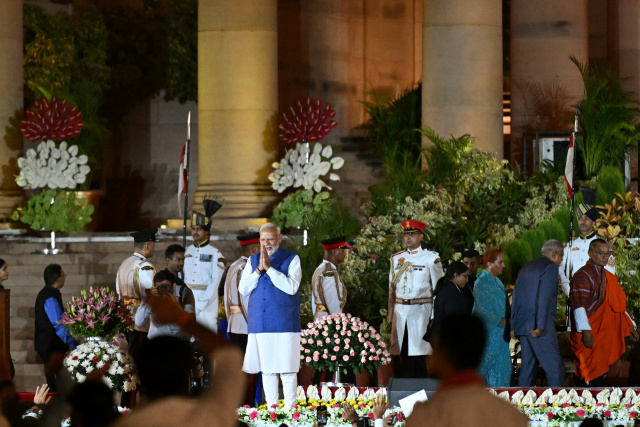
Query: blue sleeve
{"x": 548, "y": 287}
{"x": 54, "y": 313}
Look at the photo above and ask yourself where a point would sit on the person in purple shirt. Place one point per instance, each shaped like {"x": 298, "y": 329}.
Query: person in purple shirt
{"x": 50, "y": 336}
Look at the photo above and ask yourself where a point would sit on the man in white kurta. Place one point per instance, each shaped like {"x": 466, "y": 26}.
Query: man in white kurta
{"x": 412, "y": 280}
{"x": 271, "y": 279}
{"x": 328, "y": 293}
{"x": 203, "y": 267}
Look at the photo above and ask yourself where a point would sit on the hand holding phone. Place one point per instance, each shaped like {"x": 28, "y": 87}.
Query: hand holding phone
{"x": 321, "y": 415}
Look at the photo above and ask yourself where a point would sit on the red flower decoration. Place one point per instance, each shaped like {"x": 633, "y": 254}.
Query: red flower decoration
{"x": 253, "y": 415}
{"x": 580, "y": 413}
{"x": 308, "y": 122}
{"x": 95, "y": 359}
{"x": 52, "y": 120}
{"x": 273, "y": 416}
{"x": 633, "y": 414}
{"x": 550, "y": 415}
{"x": 607, "y": 414}
{"x": 296, "y": 415}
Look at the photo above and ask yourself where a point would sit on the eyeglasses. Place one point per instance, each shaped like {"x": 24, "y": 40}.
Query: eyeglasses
{"x": 603, "y": 253}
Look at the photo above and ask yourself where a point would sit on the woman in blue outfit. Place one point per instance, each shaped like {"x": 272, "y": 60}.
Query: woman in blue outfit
{"x": 491, "y": 305}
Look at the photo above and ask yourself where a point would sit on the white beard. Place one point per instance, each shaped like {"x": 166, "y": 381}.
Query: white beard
{"x": 272, "y": 250}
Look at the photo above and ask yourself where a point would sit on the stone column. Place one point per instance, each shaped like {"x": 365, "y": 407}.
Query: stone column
{"x": 237, "y": 107}
{"x": 462, "y": 70}
{"x": 11, "y": 104}
{"x": 544, "y": 35}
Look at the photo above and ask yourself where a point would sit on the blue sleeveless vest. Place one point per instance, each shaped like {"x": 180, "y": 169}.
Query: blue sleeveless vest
{"x": 270, "y": 309}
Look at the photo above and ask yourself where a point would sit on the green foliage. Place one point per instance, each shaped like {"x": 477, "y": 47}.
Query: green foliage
{"x": 322, "y": 216}
{"x": 393, "y": 138}
{"x": 444, "y": 156}
{"x": 53, "y": 210}
{"x": 553, "y": 229}
{"x": 49, "y": 50}
{"x": 535, "y": 239}
{"x": 610, "y": 182}
{"x": 181, "y": 30}
{"x": 519, "y": 253}
{"x": 627, "y": 271}
{"x": 608, "y": 119}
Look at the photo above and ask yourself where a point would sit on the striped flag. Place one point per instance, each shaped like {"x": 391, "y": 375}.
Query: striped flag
{"x": 182, "y": 171}
{"x": 568, "y": 169}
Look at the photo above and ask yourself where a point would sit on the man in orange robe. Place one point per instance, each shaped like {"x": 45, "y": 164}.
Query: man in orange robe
{"x": 600, "y": 322}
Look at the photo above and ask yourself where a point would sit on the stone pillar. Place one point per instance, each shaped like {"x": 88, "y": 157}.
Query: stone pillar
{"x": 237, "y": 107}
{"x": 544, "y": 35}
{"x": 11, "y": 104}
{"x": 462, "y": 70}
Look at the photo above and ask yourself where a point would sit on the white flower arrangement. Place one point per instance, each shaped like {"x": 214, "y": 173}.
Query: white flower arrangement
{"x": 94, "y": 354}
{"x": 302, "y": 168}
{"x": 53, "y": 167}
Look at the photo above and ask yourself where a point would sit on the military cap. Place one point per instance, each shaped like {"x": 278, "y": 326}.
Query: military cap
{"x": 412, "y": 226}
{"x": 211, "y": 206}
{"x": 249, "y": 239}
{"x": 588, "y": 206}
{"x": 148, "y": 235}
{"x": 334, "y": 243}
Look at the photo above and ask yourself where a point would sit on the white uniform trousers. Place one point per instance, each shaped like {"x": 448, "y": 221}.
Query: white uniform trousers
{"x": 289, "y": 388}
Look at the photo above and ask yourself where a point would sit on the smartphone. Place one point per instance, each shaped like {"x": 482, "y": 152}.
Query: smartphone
{"x": 321, "y": 415}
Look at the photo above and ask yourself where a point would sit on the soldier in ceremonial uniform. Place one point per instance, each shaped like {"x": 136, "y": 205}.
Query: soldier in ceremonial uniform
{"x": 204, "y": 265}
{"x": 234, "y": 304}
{"x": 328, "y": 293}
{"x": 134, "y": 276}
{"x": 587, "y": 214}
{"x": 412, "y": 280}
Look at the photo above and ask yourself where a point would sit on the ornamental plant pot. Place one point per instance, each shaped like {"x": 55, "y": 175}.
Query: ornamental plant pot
{"x": 364, "y": 379}
{"x": 305, "y": 375}
{"x": 385, "y": 373}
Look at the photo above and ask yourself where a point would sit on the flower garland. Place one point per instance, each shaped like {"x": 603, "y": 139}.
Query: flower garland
{"x": 97, "y": 313}
{"x": 342, "y": 339}
{"x": 96, "y": 354}
{"x": 53, "y": 167}
{"x": 302, "y": 168}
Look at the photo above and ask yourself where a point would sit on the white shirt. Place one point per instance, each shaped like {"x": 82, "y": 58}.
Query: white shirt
{"x": 333, "y": 290}
{"x": 133, "y": 278}
{"x": 202, "y": 266}
{"x": 232, "y": 297}
{"x": 143, "y": 316}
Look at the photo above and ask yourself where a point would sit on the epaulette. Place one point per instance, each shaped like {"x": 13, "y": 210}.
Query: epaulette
{"x": 147, "y": 267}
{"x": 437, "y": 261}
{"x": 397, "y": 253}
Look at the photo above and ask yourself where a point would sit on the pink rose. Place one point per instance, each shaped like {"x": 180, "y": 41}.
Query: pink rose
{"x": 246, "y": 406}
{"x": 333, "y": 358}
{"x": 345, "y": 357}
{"x": 337, "y": 341}
{"x": 348, "y": 333}
{"x": 361, "y": 339}
{"x": 306, "y": 350}
{"x": 347, "y": 340}
{"x": 301, "y": 357}
{"x": 352, "y": 353}
{"x": 371, "y": 417}
{"x": 308, "y": 359}
{"x": 346, "y": 347}
{"x": 335, "y": 335}
{"x": 316, "y": 358}
{"x": 374, "y": 256}
{"x": 580, "y": 413}
{"x": 607, "y": 413}
{"x": 296, "y": 415}
{"x": 600, "y": 404}
{"x": 565, "y": 405}
{"x": 328, "y": 340}
{"x": 273, "y": 416}
{"x": 337, "y": 406}
{"x": 628, "y": 405}
{"x": 275, "y": 405}
{"x": 399, "y": 417}
{"x": 342, "y": 332}
{"x": 324, "y": 356}
{"x": 336, "y": 348}
{"x": 318, "y": 343}
{"x": 633, "y": 414}
{"x": 550, "y": 415}
{"x": 253, "y": 415}
{"x": 543, "y": 405}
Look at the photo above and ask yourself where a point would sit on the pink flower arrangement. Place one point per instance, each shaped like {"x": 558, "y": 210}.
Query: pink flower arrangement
{"x": 97, "y": 313}
{"x": 607, "y": 414}
{"x": 550, "y": 415}
{"x": 273, "y": 416}
{"x": 580, "y": 413}
{"x": 296, "y": 415}
{"x": 364, "y": 352}
{"x": 253, "y": 415}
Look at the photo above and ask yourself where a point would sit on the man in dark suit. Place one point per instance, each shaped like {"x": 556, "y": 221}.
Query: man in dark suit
{"x": 533, "y": 316}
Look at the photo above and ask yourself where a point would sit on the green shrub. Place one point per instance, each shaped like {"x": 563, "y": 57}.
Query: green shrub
{"x": 535, "y": 239}
{"x": 610, "y": 182}
{"x": 519, "y": 253}
{"x": 554, "y": 230}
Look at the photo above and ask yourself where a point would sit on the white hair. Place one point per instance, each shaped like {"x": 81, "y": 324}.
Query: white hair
{"x": 551, "y": 245}
{"x": 270, "y": 225}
